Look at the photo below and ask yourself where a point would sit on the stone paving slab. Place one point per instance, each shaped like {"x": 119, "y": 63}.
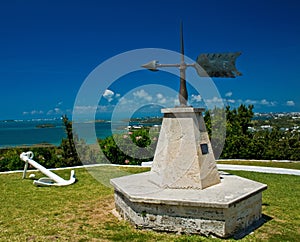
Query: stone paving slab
{"x": 231, "y": 189}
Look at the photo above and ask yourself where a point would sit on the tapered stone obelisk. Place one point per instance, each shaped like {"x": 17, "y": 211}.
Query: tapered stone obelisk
{"x": 184, "y": 157}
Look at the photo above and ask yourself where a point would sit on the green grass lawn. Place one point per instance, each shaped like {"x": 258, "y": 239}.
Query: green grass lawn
{"x": 82, "y": 212}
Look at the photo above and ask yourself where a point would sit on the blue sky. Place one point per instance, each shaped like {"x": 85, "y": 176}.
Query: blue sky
{"x": 48, "y": 48}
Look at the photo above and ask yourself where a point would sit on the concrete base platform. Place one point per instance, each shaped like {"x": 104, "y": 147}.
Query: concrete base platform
{"x": 221, "y": 210}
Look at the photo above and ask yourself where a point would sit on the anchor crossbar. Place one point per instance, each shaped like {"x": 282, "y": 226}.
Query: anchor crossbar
{"x": 52, "y": 179}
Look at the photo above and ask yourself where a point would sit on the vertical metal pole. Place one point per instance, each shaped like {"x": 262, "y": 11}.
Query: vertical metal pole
{"x": 183, "y": 95}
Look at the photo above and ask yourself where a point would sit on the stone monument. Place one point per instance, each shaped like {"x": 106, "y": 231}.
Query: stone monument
{"x": 184, "y": 192}
{"x": 183, "y": 138}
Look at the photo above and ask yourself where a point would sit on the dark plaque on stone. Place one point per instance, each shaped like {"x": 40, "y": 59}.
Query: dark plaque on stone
{"x": 204, "y": 149}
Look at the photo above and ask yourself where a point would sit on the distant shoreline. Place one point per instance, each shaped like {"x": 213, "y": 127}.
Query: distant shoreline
{"x": 45, "y": 126}
{"x": 49, "y": 133}
{"x": 29, "y": 146}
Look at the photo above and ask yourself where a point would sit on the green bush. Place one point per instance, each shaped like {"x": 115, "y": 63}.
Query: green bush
{"x": 48, "y": 157}
{"x": 131, "y": 148}
{"x": 241, "y": 143}
{"x": 10, "y": 160}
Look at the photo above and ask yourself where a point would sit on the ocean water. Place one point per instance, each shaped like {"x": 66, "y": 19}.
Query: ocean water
{"x": 26, "y": 132}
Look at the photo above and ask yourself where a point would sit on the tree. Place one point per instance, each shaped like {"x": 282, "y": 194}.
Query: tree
{"x": 131, "y": 148}
{"x": 238, "y": 136}
{"x": 68, "y": 145}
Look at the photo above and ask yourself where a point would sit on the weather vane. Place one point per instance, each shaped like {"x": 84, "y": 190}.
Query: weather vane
{"x": 213, "y": 64}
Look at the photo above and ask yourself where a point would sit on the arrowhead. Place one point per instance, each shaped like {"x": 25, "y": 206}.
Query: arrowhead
{"x": 152, "y": 65}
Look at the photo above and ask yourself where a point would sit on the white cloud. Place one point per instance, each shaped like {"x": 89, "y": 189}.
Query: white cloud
{"x": 141, "y": 97}
{"x": 108, "y": 94}
{"x": 137, "y": 99}
{"x": 84, "y": 109}
{"x": 89, "y": 109}
{"x": 196, "y": 98}
{"x": 214, "y": 100}
{"x": 55, "y": 111}
{"x": 123, "y": 101}
{"x": 264, "y": 102}
{"x": 142, "y": 94}
{"x": 175, "y": 101}
{"x": 159, "y": 96}
{"x": 268, "y": 103}
{"x": 228, "y": 94}
{"x": 161, "y": 99}
{"x": 102, "y": 108}
{"x": 249, "y": 101}
{"x": 290, "y": 103}
{"x": 33, "y": 112}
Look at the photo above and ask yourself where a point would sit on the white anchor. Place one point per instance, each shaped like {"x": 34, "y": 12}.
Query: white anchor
{"x": 52, "y": 179}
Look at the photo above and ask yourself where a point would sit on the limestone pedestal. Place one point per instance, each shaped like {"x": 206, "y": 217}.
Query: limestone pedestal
{"x": 222, "y": 210}
{"x": 184, "y": 192}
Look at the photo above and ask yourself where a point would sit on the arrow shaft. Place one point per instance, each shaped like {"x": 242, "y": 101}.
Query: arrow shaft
{"x": 167, "y": 65}
{"x": 182, "y": 65}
